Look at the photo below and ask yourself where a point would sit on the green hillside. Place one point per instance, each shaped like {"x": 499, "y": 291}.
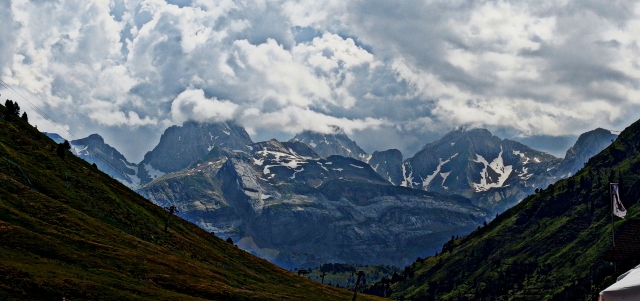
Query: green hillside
{"x": 69, "y": 231}
{"x": 545, "y": 248}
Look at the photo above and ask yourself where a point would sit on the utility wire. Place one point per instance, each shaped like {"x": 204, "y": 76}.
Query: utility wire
{"x": 55, "y": 123}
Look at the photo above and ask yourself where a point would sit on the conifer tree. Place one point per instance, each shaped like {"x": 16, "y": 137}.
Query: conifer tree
{"x": 13, "y": 109}
{"x": 62, "y": 148}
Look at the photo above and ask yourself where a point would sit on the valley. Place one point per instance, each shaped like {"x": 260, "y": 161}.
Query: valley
{"x": 286, "y": 203}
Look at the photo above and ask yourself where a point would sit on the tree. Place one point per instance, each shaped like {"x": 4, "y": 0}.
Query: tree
{"x": 229, "y": 240}
{"x": 24, "y": 117}
{"x": 62, "y": 148}
{"x": 13, "y": 109}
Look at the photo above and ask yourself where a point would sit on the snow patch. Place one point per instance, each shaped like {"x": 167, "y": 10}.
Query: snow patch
{"x": 522, "y": 156}
{"x": 275, "y": 158}
{"x": 322, "y": 166}
{"x": 523, "y": 175}
{"x": 498, "y": 167}
{"x": 356, "y": 166}
{"x": 444, "y": 176}
{"x": 295, "y": 172}
{"x": 407, "y": 180}
{"x": 429, "y": 178}
{"x": 81, "y": 150}
{"x": 152, "y": 172}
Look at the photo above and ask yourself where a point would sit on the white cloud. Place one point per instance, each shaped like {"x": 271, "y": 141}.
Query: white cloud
{"x": 193, "y": 105}
{"x": 294, "y": 119}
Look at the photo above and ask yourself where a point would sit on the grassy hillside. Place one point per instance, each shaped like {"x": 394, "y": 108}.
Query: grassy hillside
{"x": 69, "y": 231}
{"x": 545, "y": 248}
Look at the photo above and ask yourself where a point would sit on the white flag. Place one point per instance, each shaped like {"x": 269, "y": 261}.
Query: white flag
{"x": 618, "y": 209}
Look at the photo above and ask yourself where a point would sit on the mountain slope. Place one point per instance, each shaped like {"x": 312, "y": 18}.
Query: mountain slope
{"x": 302, "y": 210}
{"x": 179, "y": 146}
{"x": 544, "y": 248}
{"x": 68, "y": 231}
{"x": 93, "y": 149}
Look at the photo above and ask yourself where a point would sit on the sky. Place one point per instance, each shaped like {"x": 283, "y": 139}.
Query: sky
{"x": 392, "y": 74}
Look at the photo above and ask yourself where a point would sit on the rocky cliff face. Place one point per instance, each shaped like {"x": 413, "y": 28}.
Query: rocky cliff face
{"x": 298, "y": 210}
{"x": 337, "y": 143}
{"x": 388, "y": 164}
{"x": 179, "y": 146}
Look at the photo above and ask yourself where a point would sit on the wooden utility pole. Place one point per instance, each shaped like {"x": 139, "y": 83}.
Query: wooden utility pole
{"x": 171, "y": 209}
{"x": 355, "y": 290}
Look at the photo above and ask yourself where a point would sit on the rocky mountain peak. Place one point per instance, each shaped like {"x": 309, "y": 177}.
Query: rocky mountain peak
{"x": 493, "y": 172}
{"x": 336, "y": 143}
{"x": 93, "y": 149}
{"x": 93, "y": 139}
{"x": 179, "y": 146}
{"x": 588, "y": 145}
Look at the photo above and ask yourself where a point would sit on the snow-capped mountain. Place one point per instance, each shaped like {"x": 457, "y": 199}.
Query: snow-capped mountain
{"x": 588, "y": 145}
{"x": 495, "y": 173}
{"x": 293, "y": 207}
{"x": 337, "y": 143}
{"x": 93, "y": 149}
{"x": 273, "y": 197}
{"x": 179, "y": 146}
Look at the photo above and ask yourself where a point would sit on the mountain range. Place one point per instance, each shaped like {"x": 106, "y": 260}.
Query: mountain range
{"x": 287, "y": 204}
{"x": 370, "y": 205}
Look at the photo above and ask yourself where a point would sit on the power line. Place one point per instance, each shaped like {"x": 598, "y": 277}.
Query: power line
{"x": 36, "y": 109}
{"x": 55, "y": 123}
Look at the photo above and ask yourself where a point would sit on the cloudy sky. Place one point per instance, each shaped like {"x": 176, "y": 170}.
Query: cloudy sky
{"x": 393, "y": 74}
